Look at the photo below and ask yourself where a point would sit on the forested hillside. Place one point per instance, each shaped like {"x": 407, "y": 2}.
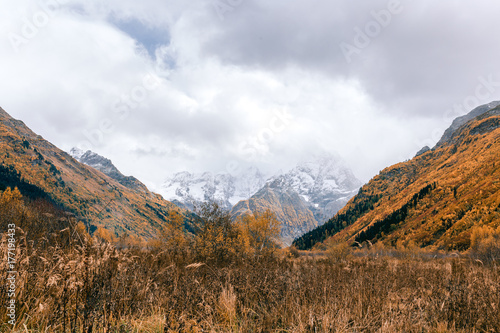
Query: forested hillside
{"x": 441, "y": 199}
{"x": 41, "y": 170}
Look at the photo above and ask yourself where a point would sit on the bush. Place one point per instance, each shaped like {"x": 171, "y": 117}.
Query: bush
{"x": 338, "y": 252}
{"x": 485, "y": 244}
{"x": 259, "y": 233}
{"x": 216, "y": 238}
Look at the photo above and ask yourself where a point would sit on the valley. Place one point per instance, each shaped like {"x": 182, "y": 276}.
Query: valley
{"x": 97, "y": 248}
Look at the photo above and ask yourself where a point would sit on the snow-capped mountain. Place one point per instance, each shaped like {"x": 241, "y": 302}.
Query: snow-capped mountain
{"x": 302, "y": 198}
{"x": 188, "y": 189}
{"x": 324, "y": 182}
{"x": 305, "y": 197}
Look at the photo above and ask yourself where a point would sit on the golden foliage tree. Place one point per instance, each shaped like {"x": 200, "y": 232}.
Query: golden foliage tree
{"x": 259, "y": 232}
{"x": 485, "y": 243}
{"x": 104, "y": 235}
{"x": 217, "y": 238}
{"x": 12, "y": 207}
{"x": 173, "y": 237}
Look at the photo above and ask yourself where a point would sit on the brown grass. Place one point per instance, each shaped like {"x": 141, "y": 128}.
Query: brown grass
{"x": 98, "y": 288}
{"x": 70, "y": 282}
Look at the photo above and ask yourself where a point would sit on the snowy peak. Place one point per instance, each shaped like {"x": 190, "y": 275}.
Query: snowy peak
{"x": 326, "y": 171}
{"x": 190, "y": 188}
{"x": 77, "y": 153}
{"x": 325, "y": 183}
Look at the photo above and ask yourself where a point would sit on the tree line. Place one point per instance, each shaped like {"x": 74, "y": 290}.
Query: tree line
{"x": 361, "y": 204}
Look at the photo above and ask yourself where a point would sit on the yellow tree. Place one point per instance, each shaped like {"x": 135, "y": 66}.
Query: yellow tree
{"x": 104, "y": 235}
{"x": 217, "y": 239}
{"x": 172, "y": 236}
{"x": 12, "y": 208}
{"x": 260, "y": 232}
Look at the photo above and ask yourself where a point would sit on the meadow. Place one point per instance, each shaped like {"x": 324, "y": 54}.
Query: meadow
{"x": 226, "y": 279}
{"x": 100, "y": 288}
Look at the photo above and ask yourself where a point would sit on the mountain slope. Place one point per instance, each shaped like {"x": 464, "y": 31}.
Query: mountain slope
{"x": 436, "y": 199}
{"x": 91, "y": 195}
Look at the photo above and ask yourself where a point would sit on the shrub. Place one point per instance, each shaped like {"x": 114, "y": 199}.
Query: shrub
{"x": 485, "y": 244}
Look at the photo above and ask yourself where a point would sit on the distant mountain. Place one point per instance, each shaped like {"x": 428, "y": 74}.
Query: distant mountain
{"x": 435, "y": 200}
{"x": 325, "y": 183}
{"x": 305, "y": 197}
{"x": 105, "y": 165}
{"x": 40, "y": 169}
{"x": 188, "y": 189}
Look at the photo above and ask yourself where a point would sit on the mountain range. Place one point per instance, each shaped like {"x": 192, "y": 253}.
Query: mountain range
{"x": 302, "y": 198}
{"x": 437, "y": 199}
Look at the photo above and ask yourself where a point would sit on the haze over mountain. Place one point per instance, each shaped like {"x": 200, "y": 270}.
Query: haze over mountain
{"x": 437, "y": 199}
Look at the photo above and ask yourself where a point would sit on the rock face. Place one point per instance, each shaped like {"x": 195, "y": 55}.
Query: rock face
{"x": 289, "y": 207}
{"x": 305, "y": 197}
{"x": 188, "y": 189}
{"x": 422, "y": 151}
{"x": 105, "y": 166}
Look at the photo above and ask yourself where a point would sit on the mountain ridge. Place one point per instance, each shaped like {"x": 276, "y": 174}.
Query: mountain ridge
{"x": 460, "y": 121}
{"x": 107, "y": 167}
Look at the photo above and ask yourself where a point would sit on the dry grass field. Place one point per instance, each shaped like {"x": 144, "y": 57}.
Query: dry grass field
{"x": 96, "y": 287}
{"x": 230, "y": 278}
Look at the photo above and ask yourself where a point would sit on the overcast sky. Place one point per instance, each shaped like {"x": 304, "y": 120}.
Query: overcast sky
{"x": 161, "y": 86}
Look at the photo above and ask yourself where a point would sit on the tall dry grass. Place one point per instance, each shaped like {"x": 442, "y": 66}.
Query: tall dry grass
{"x": 70, "y": 282}
{"x": 94, "y": 287}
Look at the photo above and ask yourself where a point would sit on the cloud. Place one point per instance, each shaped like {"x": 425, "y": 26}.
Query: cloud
{"x": 432, "y": 50}
{"x": 174, "y": 85}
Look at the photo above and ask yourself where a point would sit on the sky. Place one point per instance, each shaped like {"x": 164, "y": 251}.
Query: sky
{"x": 166, "y": 86}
